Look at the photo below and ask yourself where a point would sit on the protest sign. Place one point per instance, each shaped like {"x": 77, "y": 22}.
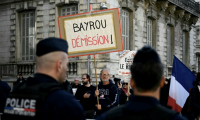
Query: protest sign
{"x": 126, "y": 59}
{"x": 91, "y": 33}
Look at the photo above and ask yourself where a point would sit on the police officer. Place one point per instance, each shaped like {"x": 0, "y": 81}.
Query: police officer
{"x": 51, "y": 62}
{"x": 147, "y": 79}
{"x": 4, "y": 91}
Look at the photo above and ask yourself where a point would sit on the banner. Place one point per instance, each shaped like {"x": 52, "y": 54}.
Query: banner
{"x": 126, "y": 59}
{"x": 93, "y": 32}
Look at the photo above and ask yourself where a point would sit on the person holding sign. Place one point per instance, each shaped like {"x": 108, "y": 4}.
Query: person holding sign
{"x": 124, "y": 92}
{"x": 146, "y": 80}
{"x": 107, "y": 93}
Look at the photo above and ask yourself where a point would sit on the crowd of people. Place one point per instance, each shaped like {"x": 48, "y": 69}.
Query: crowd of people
{"x": 143, "y": 97}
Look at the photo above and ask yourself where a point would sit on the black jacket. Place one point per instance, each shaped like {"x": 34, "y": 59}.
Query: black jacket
{"x": 67, "y": 87}
{"x": 18, "y": 81}
{"x": 59, "y": 105}
{"x": 108, "y": 97}
{"x": 4, "y": 91}
{"x": 87, "y": 103}
{"x": 75, "y": 86}
{"x": 122, "y": 96}
{"x": 195, "y": 100}
{"x": 141, "y": 108}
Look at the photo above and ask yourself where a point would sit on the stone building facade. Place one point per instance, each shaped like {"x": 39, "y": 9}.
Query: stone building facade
{"x": 163, "y": 24}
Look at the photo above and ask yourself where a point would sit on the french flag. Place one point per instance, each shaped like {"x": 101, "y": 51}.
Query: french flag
{"x": 181, "y": 82}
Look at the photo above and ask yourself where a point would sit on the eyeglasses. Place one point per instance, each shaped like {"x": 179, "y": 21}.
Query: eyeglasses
{"x": 125, "y": 83}
{"x": 105, "y": 74}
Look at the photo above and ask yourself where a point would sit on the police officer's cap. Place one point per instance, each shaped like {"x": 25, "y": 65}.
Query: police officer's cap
{"x": 146, "y": 54}
{"x": 49, "y": 45}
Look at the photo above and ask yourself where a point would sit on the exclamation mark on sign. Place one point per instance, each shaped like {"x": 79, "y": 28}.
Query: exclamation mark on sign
{"x": 111, "y": 40}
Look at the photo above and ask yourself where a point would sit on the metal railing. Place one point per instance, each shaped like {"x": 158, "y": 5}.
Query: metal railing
{"x": 72, "y": 68}
{"x": 188, "y": 5}
{"x": 16, "y": 69}
{"x": 29, "y": 69}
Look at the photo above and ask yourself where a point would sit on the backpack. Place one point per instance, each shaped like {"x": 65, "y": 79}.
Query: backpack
{"x": 26, "y": 102}
{"x": 156, "y": 113}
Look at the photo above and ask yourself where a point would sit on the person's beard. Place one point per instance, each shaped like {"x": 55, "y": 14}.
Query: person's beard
{"x": 104, "y": 80}
{"x": 85, "y": 83}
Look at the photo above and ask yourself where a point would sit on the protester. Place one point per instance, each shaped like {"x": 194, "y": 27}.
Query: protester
{"x": 92, "y": 83}
{"x": 107, "y": 93}
{"x": 85, "y": 94}
{"x": 76, "y": 83}
{"x": 146, "y": 80}
{"x": 124, "y": 93}
{"x": 195, "y": 98}
{"x": 117, "y": 82}
{"x": 51, "y": 62}
{"x": 4, "y": 91}
{"x": 164, "y": 93}
{"x": 67, "y": 86}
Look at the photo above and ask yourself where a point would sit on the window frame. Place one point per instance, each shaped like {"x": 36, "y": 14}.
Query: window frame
{"x": 71, "y": 11}
{"x": 124, "y": 18}
{"x": 149, "y": 31}
{"x": 25, "y": 37}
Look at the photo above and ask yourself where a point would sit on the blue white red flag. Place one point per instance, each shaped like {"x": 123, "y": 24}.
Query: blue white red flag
{"x": 181, "y": 81}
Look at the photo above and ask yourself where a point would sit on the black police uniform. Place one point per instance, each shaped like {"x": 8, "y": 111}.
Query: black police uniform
{"x": 59, "y": 105}
{"x": 139, "y": 107}
{"x": 4, "y": 91}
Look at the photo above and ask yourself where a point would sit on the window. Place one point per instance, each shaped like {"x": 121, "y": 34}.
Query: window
{"x": 69, "y": 10}
{"x": 125, "y": 28}
{"x": 149, "y": 32}
{"x": 168, "y": 45}
{"x": 184, "y": 48}
{"x": 28, "y": 35}
{"x": 197, "y": 35}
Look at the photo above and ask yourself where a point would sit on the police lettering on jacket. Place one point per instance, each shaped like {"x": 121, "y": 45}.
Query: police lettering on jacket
{"x": 19, "y": 106}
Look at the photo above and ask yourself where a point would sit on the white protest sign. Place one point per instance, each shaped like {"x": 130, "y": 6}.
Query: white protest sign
{"x": 125, "y": 62}
{"x": 90, "y": 33}
{"x": 95, "y": 32}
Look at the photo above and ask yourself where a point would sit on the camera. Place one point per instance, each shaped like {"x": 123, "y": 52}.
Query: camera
{"x": 103, "y": 6}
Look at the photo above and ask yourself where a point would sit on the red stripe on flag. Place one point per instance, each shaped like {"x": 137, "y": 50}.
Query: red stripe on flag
{"x": 172, "y": 103}
{"x": 31, "y": 110}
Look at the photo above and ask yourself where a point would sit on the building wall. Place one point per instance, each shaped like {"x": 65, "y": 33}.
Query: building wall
{"x": 46, "y": 25}
{"x": 5, "y": 33}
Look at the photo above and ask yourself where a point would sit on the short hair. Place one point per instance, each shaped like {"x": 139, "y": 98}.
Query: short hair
{"x": 104, "y": 69}
{"x": 77, "y": 78}
{"x": 87, "y": 76}
{"x": 147, "y": 76}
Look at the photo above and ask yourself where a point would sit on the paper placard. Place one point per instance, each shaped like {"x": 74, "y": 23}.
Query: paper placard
{"x": 88, "y": 33}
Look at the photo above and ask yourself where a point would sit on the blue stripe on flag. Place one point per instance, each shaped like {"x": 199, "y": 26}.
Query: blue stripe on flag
{"x": 182, "y": 74}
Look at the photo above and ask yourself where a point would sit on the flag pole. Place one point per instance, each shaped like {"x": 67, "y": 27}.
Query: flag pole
{"x": 128, "y": 91}
{"x": 96, "y": 78}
